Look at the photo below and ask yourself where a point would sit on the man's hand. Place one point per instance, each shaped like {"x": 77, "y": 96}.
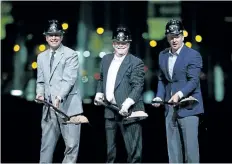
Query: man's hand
{"x": 175, "y": 98}
{"x": 125, "y": 106}
{"x": 40, "y": 97}
{"x": 124, "y": 110}
{"x": 57, "y": 102}
{"x": 156, "y": 104}
{"x": 98, "y": 98}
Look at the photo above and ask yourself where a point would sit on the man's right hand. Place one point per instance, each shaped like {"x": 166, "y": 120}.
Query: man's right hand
{"x": 98, "y": 98}
{"x": 40, "y": 97}
{"x": 156, "y": 104}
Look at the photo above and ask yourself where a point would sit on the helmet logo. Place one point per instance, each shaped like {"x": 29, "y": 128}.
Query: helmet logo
{"x": 121, "y": 35}
{"x": 53, "y": 27}
{"x": 173, "y": 27}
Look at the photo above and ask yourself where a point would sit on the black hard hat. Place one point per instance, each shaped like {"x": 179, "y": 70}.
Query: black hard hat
{"x": 174, "y": 27}
{"x": 122, "y": 34}
{"x": 54, "y": 27}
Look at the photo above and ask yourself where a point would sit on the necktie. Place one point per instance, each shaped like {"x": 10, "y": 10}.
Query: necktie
{"x": 52, "y": 60}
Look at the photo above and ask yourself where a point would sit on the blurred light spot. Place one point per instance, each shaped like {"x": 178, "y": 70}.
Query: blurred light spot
{"x": 16, "y": 92}
{"x": 83, "y": 72}
{"x": 85, "y": 79}
{"x": 16, "y": 48}
{"x": 100, "y": 30}
{"x": 218, "y": 83}
{"x": 145, "y": 35}
{"x": 4, "y": 75}
{"x": 87, "y": 101}
{"x": 148, "y": 96}
{"x": 29, "y": 36}
{"x": 188, "y": 44}
{"x": 42, "y": 47}
{"x": 185, "y": 33}
{"x": 34, "y": 65}
{"x": 228, "y": 19}
{"x": 153, "y": 43}
{"x": 198, "y": 38}
{"x": 65, "y": 26}
{"x": 86, "y": 54}
{"x": 145, "y": 68}
{"x": 202, "y": 76}
{"x": 97, "y": 76}
{"x": 101, "y": 54}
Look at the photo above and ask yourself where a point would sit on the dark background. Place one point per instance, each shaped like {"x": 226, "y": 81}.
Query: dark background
{"x": 20, "y": 119}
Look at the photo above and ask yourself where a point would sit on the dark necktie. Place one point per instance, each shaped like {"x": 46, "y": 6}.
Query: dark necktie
{"x": 52, "y": 60}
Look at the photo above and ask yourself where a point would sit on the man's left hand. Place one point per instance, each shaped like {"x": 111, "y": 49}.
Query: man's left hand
{"x": 124, "y": 110}
{"x": 125, "y": 106}
{"x": 175, "y": 98}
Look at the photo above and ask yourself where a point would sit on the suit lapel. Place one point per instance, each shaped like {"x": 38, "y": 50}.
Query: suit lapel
{"x": 47, "y": 61}
{"x": 107, "y": 65}
{"x": 122, "y": 69}
{"x": 166, "y": 66}
{"x": 59, "y": 55}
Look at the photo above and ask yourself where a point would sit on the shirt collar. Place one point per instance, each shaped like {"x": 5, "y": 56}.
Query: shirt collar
{"x": 117, "y": 58}
{"x": 51, "y": 50}
{"x": 177, "y": 52}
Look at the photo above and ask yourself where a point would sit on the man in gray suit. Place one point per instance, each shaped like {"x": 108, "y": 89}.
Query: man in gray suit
{"x": 121, "y": 83}
{"x": 57, "y": 82}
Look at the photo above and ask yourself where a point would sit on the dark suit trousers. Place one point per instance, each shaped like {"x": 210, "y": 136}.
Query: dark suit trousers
{"x": 132, "y": 135}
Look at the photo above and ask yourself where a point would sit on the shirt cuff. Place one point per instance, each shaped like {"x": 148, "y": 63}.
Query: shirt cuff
{"x": 180, "y": 94}
{"x": 99, "y": 94}
{"x": 129, "y": 101}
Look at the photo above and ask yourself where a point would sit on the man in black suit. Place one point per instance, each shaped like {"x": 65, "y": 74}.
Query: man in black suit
{"x": 121, "y": 83}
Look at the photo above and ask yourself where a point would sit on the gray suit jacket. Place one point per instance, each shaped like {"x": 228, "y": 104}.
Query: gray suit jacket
{"x": 129, "y": 82}
{"x": 62, "y": 81}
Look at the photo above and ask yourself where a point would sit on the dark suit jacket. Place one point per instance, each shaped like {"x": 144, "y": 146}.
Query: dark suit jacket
{"x": 129, "y": 82}
{"x": 185, "y": 78}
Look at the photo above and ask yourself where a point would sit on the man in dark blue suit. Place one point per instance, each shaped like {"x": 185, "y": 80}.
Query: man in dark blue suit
{"x": 121, "y": 83}
{"x": 180, "y": 68}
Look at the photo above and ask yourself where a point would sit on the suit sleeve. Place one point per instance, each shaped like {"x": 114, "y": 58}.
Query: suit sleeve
{"x": 161, "y": 85}
{"x": 70, "y": 73}
{"x": 193, "y": 73}
{"x": 100, "y": 81}
{"x": 40, "y": 77}
{"x": 137, "y": 81}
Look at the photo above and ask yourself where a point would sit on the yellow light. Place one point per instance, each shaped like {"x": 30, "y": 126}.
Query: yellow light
{"x": 188, "y": 44}
{"x": 16, "y": 48}
{"x": 153, "y": 43}
{"x": 100, "y": 30}
{"x": 185, "y": 33}
{"x": 42, "y": 47}
{"x": 84, "y": 73}
{"x": 34, "y": 65}
{"x": 65, "y": 26}
{"x": 198, "y": 38}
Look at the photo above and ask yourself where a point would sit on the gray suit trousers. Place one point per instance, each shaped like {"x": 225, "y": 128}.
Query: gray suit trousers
{"x": 182, "y": 138}
{"x": 51, "y": 130}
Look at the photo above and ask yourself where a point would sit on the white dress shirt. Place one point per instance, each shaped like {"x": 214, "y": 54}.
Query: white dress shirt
{"x": 171, "y": 62}
{"x": 111, "y": 77}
